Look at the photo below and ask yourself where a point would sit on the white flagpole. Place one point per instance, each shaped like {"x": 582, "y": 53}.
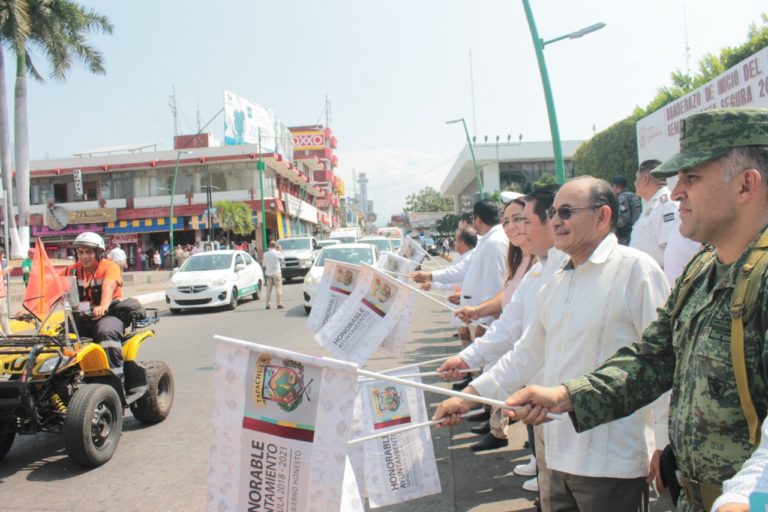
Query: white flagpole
{"x": 414, "y": 365}
{"x": 406, "y": 428}
{"x": 448, "y": 392}
{"x": 424, "y": 374}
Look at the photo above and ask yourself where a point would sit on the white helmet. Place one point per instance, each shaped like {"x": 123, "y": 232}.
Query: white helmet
{"x": 92, "y": 240}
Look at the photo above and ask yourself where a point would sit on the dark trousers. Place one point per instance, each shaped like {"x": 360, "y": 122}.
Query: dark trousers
{"x": 107, "y": 331}
{"x": 574, "y": 493}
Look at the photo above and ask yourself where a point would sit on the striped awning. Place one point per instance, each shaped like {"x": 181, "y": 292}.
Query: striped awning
{"x": 144, "y": 225}
{"x": 201, "y": 222}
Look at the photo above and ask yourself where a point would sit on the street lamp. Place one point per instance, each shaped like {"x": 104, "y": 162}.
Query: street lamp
{"x": 472, "y": 152}
{"x": 261, "y": 167}
{"x": 209, "y": 203}
{"x": 173, "y": 194}
{"x": 538, "y": 45}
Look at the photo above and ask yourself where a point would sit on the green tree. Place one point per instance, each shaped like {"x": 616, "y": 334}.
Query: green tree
{"x": 428, "y": 200}
{"x": 58, "y": 29}
{"x": 447, "y": 225}
{"x": 234, "y": 217}
{"x": 546, "y": 179}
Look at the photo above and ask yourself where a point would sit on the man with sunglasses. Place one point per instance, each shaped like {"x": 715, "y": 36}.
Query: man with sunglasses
{"x": 722, "y": 171}
{"x": 600, "y": 300}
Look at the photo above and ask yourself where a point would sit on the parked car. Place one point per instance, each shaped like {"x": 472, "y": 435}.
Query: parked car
{"x": 349, "y": 253}
{"x": 299, "y": 255}
{"x": 324, "y": 243}
{"x": 430, "y": 246}
{"x": 214, "y": 278}
{"x": 396, "y": 243}
{"x": 381, "y": 242}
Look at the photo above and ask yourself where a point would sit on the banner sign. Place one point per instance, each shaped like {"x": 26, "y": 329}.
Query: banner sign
{"x": 412, "y": 250}
{"x": 281, "y": 422}
{"x": 336, "y": 285}
{"x": 244, "y": 120}
{"x": 398, "y": 467}
{"x": 394, "y": 344}
{"x": 367, "y": 317}
{"x": 93, "y": 215}
{"x": 743, "y": 85}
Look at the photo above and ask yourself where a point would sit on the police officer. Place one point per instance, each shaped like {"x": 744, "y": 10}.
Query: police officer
{"x": 99, "y": 284}
{"x": 719, "y": 393}
{"x": 629, "y": 209}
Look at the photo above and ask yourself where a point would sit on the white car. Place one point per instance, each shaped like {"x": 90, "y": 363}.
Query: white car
{"x": 383, "y": 243}
{"x": 349, "y": 253}
{"x": 214, "y": 278}
{"x": 322, "y": 244}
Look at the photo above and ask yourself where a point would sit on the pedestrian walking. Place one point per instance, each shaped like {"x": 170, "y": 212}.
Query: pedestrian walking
{"x": 273, "y": 261}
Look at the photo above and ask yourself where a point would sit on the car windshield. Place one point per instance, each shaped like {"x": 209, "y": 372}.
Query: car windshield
{"x": 293, "y": 244}
{"x": 326, "y": 243}
{"x": 346, "y": 239}
{"x": 201, "y": 262}
{"x": 347, "y": 255}
{"x": 382, "y": 244}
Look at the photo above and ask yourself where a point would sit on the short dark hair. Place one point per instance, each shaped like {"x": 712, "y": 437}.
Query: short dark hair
{"x": 468, "y": 236}
{"x": 542, "y": 198}
{"x": 487, "y": 211}
{"x": 648, "y": 165}
{"x": 620, "y": 181}
{"x": 602, "y": 195}
{"x": 466, "y": 217}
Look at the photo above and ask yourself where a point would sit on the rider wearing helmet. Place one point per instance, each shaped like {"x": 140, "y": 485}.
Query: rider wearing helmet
{"x": 99, "y": 284}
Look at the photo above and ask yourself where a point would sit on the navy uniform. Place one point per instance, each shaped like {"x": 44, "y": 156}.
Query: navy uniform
{"x": 654, "y": 228}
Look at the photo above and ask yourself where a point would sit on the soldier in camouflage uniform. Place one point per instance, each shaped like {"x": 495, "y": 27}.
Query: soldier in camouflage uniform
{"x": 630, "y": 208}
{"x": 723, "y": 192}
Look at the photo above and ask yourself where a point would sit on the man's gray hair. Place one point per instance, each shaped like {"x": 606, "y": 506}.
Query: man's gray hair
{"x": 747, "y": 157}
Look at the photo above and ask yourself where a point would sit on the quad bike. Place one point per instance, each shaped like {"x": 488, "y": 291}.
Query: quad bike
{"x": 55, "y": 381}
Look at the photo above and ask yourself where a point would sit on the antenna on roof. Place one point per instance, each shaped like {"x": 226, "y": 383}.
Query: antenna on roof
{"x": 174, "y": 110}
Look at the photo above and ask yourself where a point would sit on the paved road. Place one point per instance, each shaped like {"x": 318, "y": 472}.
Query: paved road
{"x": 164, "y": 467}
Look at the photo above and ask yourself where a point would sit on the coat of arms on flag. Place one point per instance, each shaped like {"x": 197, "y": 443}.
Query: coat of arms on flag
{"x": 283, "y": 385}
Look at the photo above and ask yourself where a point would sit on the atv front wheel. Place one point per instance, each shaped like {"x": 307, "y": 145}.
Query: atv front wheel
{"x": 156, "y": 403}
{"x": 93, "y": 424}
{"x": 7, "y": 433}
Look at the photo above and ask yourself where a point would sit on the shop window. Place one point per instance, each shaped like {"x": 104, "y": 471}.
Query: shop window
{"x": 60, "y": 193}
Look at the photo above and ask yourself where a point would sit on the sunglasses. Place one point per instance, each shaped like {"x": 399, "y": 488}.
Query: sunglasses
{"x": 565, "y": 212}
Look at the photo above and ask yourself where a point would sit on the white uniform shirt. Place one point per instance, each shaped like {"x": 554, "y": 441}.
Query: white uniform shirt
{"x": 487, "y": 270}
{"x": 272, "y": 259}
{"x": 652, "y": 230}
{"x": 584, "y": 314}
{"x": 457, "y": 261}
{"x": 455, "y": 272}
{"x": 504, "y": 332}
{"x": 753, "y": 474}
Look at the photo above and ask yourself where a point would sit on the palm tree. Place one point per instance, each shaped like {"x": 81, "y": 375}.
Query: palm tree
{"x": 57, "y": 28}
{"x": 234, "y": 217}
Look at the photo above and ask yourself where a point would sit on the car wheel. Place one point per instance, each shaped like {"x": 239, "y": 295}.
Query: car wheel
{"x": 307, "y": 309}
{"x": 156, "y": 403}
{"x": 257, "y": 293}
{"x": 232, "y": 300}
{"x": 93, "y": 424}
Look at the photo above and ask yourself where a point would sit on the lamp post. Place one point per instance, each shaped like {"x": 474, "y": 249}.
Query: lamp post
{"x": 209, "y": 203}
{"x": 173, "y": 195}
{"x": 261, "y": 168}
{"x": 538, "y": 45}
{"x": 471, "y": 152}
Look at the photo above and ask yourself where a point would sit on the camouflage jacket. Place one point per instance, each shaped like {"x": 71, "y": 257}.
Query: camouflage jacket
{"x": 692, "y": 356}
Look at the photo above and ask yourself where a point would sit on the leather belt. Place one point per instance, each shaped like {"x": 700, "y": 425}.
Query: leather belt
{"x": 701, "y": 494}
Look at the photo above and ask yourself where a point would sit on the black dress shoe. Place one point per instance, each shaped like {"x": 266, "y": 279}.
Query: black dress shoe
{"x": 481, "y": 416}
{"x": 481, "y": 429}
{"x": 488, "y": 442}
{"x": 458, "y": 386}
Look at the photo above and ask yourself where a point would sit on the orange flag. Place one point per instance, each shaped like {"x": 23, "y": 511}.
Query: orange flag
{"x": 45, "y": 286}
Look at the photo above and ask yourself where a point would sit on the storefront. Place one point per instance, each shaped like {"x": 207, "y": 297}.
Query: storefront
{"x": 143, "y": 236}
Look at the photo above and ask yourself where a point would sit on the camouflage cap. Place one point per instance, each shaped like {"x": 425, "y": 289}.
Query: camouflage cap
{"x": 711, "y": 134}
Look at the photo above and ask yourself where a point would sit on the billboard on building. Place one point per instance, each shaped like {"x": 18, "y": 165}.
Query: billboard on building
{"x": 743, "y": 85}
{"x": 245, "y": 120}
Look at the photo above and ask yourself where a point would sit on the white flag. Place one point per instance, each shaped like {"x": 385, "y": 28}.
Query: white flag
{"x": 391, "y": 262}
{"x": 281, "y": 422}
{"x": 401, "y": 466}
{"x": 336, "y": 285}
{"x": 394, "y": 344}
{"x": 412, "y": 250}
{"x": 367, "y": 317}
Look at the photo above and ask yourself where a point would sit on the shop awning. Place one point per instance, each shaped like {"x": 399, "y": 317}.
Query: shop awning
{"x": 144, "y": 225}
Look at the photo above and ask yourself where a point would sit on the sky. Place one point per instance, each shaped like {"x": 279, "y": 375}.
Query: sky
{"x": 394, "y": 73}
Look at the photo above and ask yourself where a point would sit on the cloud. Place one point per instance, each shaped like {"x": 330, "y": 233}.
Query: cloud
{"x": 393, "y": 174}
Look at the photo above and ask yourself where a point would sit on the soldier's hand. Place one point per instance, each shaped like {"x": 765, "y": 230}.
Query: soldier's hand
{"x": 450, "y": 411}
{"x": 534, "y": 402}
{"x": 467, "y": 314}
{"x": 654, "y": 474}
{"x": 733, "y": 507}
{"x": 454, "y": 299}
{"x": 421, "y": 277}
{"x": 450, "y": 368}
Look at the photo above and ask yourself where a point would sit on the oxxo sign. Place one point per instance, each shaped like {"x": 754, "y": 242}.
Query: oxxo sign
{"x": 78, "y": 175}
{"x": 308, "y": 140}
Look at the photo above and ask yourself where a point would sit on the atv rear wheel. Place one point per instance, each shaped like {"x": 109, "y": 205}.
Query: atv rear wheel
{"x": 7, "y": 433}
{"x": 93, "y": 424}
{"x": 155, "y": 405}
